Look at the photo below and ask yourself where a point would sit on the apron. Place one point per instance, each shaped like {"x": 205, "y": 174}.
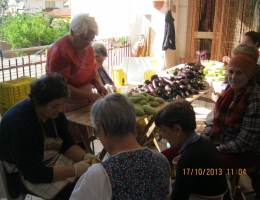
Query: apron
{"x": 51, "y": 158}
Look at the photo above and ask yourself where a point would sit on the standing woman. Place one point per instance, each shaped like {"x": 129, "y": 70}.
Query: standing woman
{"x": 235, "y": 127}
{"x": 73, "y": 57}
{"x": 36, "y": 147}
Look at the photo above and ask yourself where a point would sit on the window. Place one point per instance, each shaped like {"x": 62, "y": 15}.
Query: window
{"x": 66, "y": 4}
{"x": 49, "y": 4}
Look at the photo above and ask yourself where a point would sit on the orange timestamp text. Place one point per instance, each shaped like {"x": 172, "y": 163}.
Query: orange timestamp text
{"x": 238, "y": 171}
{"x": 202, "y": 171}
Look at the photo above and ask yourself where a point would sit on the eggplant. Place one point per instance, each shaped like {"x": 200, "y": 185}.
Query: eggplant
{"x": 170, "y": 96}
{"x": 161, "y": 94}
{"x": 187, "y": 93}
{"x": 168, "y": 88}
{"x": 183, "y": 87}
{"x": 178, "y": 96}
{"x": 185, "y": 81}
{"x": 172, "y": 78}
{"x": 161, "y": 81}
{"x": 179, "y": 77}
{"x": 185, "y": 71}
{"x": 194, "y": 91}
{"x": 166, "y": 95}
{"x": 195, "y": 68}
{"x": 190, "y": 75}
{"x": 175, "y": 73}
{"x": 192, "y": 81}
{"x": 167, "y": 80}
{"x": 174, "y": 94}
{"x": 153, "y": 77}
{"x": 173, "y": 87}
{"x": 147, "y": 82}
{"x": 155, "y": 83}
{"x": 150, "y": 88}
{"x": 183, "y": 94}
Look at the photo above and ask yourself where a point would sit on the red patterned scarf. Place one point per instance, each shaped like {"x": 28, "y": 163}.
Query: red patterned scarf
{"x": 229, "y": 111}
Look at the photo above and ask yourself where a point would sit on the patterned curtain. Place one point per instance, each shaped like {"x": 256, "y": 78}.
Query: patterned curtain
{"x": 192, "y": 28}
{"x": 232, "y": 19}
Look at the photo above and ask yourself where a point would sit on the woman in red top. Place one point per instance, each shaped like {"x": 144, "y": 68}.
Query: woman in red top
{"x": 73, "y": 57}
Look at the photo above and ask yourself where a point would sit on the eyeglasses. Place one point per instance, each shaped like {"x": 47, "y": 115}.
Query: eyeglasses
{"x": 86, "y": 40}
{"x": 95, "y": 133}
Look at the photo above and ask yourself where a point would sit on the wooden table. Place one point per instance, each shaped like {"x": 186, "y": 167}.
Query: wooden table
{"x": 81, "y": 116}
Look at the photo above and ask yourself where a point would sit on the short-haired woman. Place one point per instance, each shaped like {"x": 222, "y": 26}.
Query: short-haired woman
{"x": 73, "y": 57}
{"x": 131, "y": 171}
{"x": 199, "y": 171}
{"x": 100, "y": 52}
{"x": 36, "y": 147}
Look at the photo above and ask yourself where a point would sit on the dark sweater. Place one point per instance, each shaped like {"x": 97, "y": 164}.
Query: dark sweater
{"x": 199, "y": 156}
{"x": 22, "y": 141}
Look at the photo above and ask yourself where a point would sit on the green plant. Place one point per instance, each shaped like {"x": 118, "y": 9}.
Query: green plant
{"x": 25, "y": 30}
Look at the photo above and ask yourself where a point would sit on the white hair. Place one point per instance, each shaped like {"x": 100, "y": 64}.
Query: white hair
{"x": 82, "y": 22}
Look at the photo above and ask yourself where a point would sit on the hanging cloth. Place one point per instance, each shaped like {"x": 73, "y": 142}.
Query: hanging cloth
{"x": 169, "y": 32}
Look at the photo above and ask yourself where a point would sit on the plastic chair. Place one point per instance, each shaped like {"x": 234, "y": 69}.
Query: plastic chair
{"x": 148, "y": 73}
{"x": 2, "y": 170}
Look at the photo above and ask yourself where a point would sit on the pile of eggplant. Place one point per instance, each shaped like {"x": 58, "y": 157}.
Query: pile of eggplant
{"x": 179, "y": 83}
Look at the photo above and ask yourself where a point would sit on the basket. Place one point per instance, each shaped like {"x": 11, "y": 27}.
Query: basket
{"x": 13, "y": 91}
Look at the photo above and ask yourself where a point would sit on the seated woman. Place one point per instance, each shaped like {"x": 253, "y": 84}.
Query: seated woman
{"x": 100, "y": 53}
{"x": 235, "y": 127}
{"x": 242, "y": 49}
{"x": 131, "y": 171}
{"x": 36, "y": 147}
{"x": 199, "y": 171}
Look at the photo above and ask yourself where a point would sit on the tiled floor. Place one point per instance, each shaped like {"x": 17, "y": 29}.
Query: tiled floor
{"x": 201, "y": 113}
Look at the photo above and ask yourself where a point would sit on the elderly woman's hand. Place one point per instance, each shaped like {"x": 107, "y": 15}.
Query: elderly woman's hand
{"x": 93, "y": 158}
{"x": 102, "y": 90}
{"x": 214, "y": 96}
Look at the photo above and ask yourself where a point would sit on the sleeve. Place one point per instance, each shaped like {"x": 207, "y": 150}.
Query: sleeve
{"x": 207, "y": 130}
{"x": 58, "y": 63}
{"x": 208, "y": 133}
{"x": 183, "y": 183}
{"x": 25, "y": 145}
{"x": 64, "y": 133}
{"x": 94, "y": 184}
{"x": 249, "y": 135}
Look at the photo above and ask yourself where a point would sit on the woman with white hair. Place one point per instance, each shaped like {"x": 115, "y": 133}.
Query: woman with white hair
{"x": 73, "y": 57}
{"x": 131, "y": 171}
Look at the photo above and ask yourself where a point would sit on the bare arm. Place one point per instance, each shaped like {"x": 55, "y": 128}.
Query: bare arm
{"x": 61, "y": 173}
{"x": 97, "y": 83}
{"x": 82, "y": 94}
{"x": 74, "y": 153}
